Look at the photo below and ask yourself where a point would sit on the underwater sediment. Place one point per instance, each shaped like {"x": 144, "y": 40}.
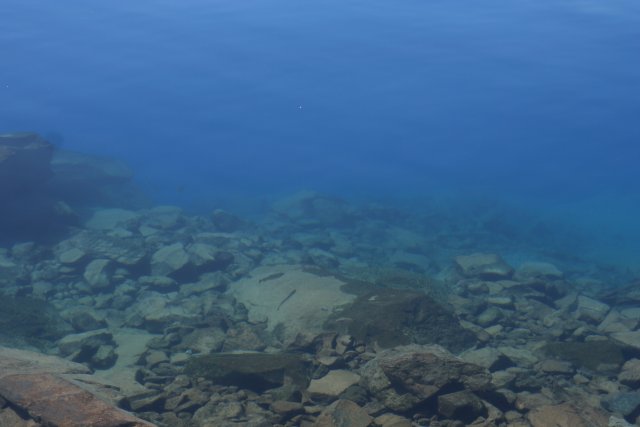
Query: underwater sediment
{"x": 322, "y": 313}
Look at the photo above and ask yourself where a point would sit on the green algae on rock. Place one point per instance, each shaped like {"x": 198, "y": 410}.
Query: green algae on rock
{"x": 593, "y": 355}
{"x": 391, "y": 317}
{"x": 254, "y": 371}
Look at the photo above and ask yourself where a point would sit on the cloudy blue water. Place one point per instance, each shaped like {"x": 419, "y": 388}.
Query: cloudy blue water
{"x": 529, "y": 101}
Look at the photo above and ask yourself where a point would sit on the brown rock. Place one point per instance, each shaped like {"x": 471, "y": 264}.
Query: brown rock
{"x": 392, "y": 420}
{"x": 567, "y": 415}
{"x": 526, "y": 401}
{"x": 404, "y": 377}
{"x": 58, "y": 402}
{"x": 42, "y": 386}
{"x": 553, "y": 366}
{"x": 283, "y": 407}
{"x": 333, "y": 384}
{"x": 243, "y": 337}
{"x": 461, "y": 405}
{"x": 343, "y": 413}
{"x": 14, "y": 361}
{"x": 9, "y": 418}
{"x": 630, "y": 374}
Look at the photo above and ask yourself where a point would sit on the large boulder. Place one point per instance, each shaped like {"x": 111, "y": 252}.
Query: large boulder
{"x": 567, "y": 415}
{"x": 333, "y": 384}
{"x": 169, "y": 259}
{"x": 155, "y": 311}
{"x": 29, "y": 320}
{"x": 389, "y": 317}
{"x": 253, "y": 371}
{"x": 24, "y": 163}
{"x": 593, "y": 355}
{"x": 405, "y": 377}
{"x": 29, "y": 210}
{"x": 291, "y": 301}
{"x": 88, "y": 180}
{"x": 52, "y": 391}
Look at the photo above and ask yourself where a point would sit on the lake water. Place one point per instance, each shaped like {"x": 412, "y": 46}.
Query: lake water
{"x": 220, "y": 103}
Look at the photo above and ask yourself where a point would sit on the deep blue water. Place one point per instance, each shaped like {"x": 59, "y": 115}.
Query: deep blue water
{"x": 536, "y": 102}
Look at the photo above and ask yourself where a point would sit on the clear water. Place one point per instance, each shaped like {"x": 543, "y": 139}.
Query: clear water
{"x": 534, "y": 103}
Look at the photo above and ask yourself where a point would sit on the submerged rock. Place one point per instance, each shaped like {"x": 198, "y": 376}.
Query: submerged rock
{"x": 484, "y": 266}
{"x": 25, "y": 159}
{"x": 85, "y": 180}
{"x": 630, "y": 373}
{"x": 290, "y": 300}
{"x": 591, "y": 310}
{"x": 29, "y": 210}
{"x": 253, "y": 371}
{"x": 126, "y": 250}
{"x": 405, "y": 377}
{"x": 627, "y": 339}
{"x": 169, "y": 259}
{"x": 95, "y": 348}
{"x": 592, "y": 355}
{"x": 98, "y": 274}
{"x": 52, "y": 391}
{"x": 342, "y": 413}
{"x": 461, "y": 405}
{"x": 163, "y": 217}
{"x": 225, "y": 221}
{"x": 333, "y": 384}
{"x": 10, "y": 270}
{"x": 624, "y": 404}
{"x": 487, "y": 357}
{"x": 391, "y": 317}
{"x": 29, "y": 320}
{"x": 566, "y": 415}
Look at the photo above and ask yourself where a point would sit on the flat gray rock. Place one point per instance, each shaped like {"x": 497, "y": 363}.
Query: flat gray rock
{"x": 290, "y": 299}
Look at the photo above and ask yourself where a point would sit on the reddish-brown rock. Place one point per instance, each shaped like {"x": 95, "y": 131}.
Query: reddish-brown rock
{"x": 343, "y": 413}
{"x": 42, "y": 387}
{"x": 567, "y": 415}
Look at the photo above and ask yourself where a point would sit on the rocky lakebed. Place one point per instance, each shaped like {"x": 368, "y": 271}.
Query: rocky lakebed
{"x": 321, "y": 313}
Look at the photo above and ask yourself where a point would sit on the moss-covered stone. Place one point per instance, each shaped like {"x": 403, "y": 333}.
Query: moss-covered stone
{"x": 391, "y": 317}
{"x": 592, "y": 355}
{"x": 254, "y": 371}
{"x": 29, "y": 320}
